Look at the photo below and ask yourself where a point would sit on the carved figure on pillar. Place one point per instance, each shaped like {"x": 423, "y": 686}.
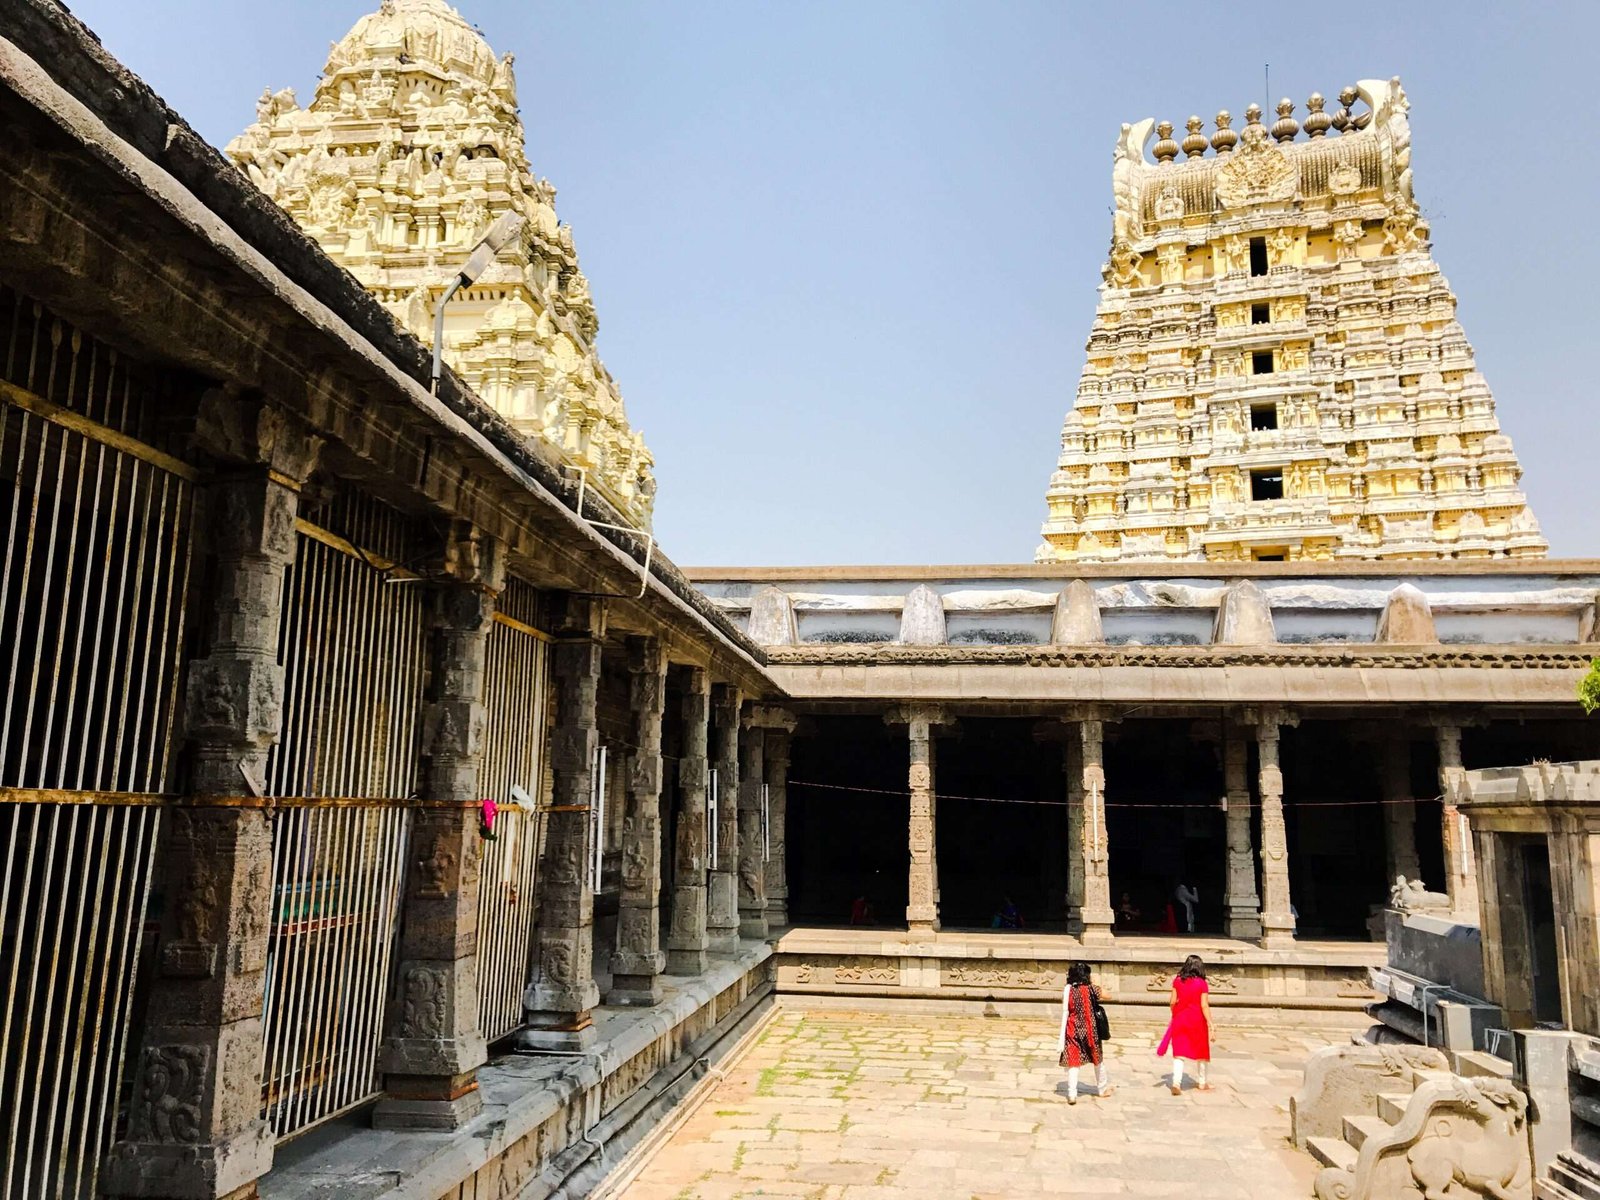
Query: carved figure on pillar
{"x": 434, "y": 1047}
{"x": 1277, "y": 917}
{"x": 687, "y": 940}
{"x": 722, "y": 890}
{"x": 1094, "y": 846}
{"x": 1242, "y": 904}
{"x": 752, "y": 864}
{"x": 637, "y": 961}
{"x": 562, "y": 995}
{"x": 194, "y": 1124}
{"x": 922, "y": 882}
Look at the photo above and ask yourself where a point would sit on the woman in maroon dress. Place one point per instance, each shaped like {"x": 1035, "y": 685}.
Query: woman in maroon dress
{"x": 1080, "y": 1036}
{"x": 1189, "y": 1034}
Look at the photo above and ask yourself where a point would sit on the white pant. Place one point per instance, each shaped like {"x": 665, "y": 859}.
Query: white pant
{"x": 1177, "y": 1071}
{"x": 1099, "y": 1081}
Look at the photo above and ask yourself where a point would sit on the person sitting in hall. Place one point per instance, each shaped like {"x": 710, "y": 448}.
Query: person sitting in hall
{"x": 1009, "y": 916}
{"x": 1127, "y": 912}
{"x": 860, "y": 911}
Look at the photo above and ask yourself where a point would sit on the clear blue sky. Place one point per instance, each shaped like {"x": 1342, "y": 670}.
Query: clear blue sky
{"x": 845, "y": 254}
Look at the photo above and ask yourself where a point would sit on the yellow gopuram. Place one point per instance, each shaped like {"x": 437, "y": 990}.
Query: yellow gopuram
{"x": 1275, "y": 369}
{"x": 409, "y": 150}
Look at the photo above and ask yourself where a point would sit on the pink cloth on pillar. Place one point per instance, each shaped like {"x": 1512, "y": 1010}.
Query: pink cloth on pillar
{"x": 1187, "y": 1035}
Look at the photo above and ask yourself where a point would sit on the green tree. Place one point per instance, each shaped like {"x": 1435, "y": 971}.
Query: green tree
{"x": 1589, "y": 687}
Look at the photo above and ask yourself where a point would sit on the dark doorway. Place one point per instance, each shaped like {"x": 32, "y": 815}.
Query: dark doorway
{"x": 846, "y": 823}
{"x": 1164, "y": 824}
{"x": 1538, "y": 905}
{"x": 1002, "y": 825}
{"x": 1335, "y": 826}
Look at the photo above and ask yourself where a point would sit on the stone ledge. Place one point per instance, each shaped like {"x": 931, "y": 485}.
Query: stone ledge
{"x": 536, "y": 1108}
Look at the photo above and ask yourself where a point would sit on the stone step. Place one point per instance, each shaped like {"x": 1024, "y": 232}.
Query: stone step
{"x": 1428, "y": 1075}
{"x": 1480, "y": 1063}
{"x": 1358, "y": 1129}
{"x": 1392, "y": 1106}
{"x": 1331, "y": 1152}
{"x": 1575, "y": 1176}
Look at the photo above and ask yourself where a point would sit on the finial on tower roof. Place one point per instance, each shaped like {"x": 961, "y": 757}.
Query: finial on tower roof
{"x": 1195, "y": 144}
{"x": 1346, "y": 121}
{"x": 1165, "y": 149}
{"x": 1252, "y": 115}
{"x": 1224, "y": 139}
{"x": 1317, "y": 121}
{"x": 1285, "y": 127}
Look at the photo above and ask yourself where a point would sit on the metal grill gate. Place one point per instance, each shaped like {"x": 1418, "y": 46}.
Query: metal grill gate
{"x": 513, "y": 776}
{"x": 353, "y": 645}
{"x": 96, "y": 532}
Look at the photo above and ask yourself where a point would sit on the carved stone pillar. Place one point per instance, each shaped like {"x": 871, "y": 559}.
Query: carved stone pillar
{"x": 722, "y": 892}
{"x": 775, "y": 758}
{"x": 1242, "y": 918}
{"x": 687, "y": 939}
{"x": 563, "y": 993}
{"x": 1095, "y": 852}
{"x": 1460, "y": 867}
{"x": 1399, "y": 808}
{"x": 434, "y": 1048}
{"x": 752, "y": 864}
{"x": 637, "y": 960}
{"x": 922, "y": 881}
{"x": 1072, "y": 767}
{"x": 1277, "y": 920}
{"x": 194, "y": 1124}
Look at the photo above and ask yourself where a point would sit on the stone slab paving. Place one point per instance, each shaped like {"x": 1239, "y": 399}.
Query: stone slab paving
{"x": 883, "y": 1106}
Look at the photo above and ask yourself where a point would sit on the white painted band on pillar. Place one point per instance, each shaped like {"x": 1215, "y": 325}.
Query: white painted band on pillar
{"x": 597, "y": 817}
{"x": 766, "y": 824}
{"x": 711, "y": 819}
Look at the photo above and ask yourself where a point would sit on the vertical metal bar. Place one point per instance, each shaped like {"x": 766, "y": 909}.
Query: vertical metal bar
{"x": 360, "y": 955}
{"x": 317, "y": 956}
{"x": 319, "y": 559}
{"x": 368, "y": 674}
{"x": 27, "y": 566}
{"x": 103, "y": 778}
{"x": 157, "y": 518}
{"x": 297, "y": 1014}
{"x": 86, "y": 915}
{"x": 169, "y": 730}
{"x": 69, "y": 725}
{"x": 89, "y": 732}
{"x": 385, "y": 929}
{"x": 272, "y": 998}
{"x": 331, "y": 968}
{"x": 32, "y": 955}
{"x": 133, "y": 617}
{"x": 95, "y": 1105}
{"x": 128, "y": 975}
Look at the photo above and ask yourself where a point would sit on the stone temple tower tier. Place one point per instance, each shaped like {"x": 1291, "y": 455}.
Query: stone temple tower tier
{"x": 408, "y": 152}
{"x": 1275, "y": 369}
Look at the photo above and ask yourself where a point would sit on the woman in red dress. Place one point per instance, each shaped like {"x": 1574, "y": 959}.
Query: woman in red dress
{"x": 1080, "y": 1036}
{"x": 1189, "y": 1034}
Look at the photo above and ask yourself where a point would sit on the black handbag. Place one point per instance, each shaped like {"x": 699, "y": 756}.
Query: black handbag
{"x": 1102, "y": 1023}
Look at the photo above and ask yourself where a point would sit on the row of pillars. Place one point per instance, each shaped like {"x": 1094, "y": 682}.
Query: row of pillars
{"x": 713, "y": 904}
{"x": 195, "y": 1127}
{"x": 1257, "y": 912}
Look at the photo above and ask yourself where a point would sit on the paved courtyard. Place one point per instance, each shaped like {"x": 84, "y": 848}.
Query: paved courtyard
{"x": 855, "y": 1106}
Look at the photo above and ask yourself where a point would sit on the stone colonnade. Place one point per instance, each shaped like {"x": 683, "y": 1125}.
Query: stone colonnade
{"x": 196, "y": 1128}
{"x": 1258, "y": 899}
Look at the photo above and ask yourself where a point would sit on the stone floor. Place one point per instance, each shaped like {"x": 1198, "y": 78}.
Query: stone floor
{"x": 881, "y": 1106}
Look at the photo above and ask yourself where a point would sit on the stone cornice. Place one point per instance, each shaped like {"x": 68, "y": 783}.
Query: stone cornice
{"x": 1541, "y": 658}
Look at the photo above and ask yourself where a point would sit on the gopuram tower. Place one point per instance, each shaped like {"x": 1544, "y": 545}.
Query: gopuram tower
{"x": 409, "y": 150}
{"x": 1275, "y": 369}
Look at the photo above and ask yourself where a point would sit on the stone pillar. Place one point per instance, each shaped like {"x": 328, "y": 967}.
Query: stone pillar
{"x": 1072, "y": 765}
{"x": 922, "y": 881}
{"x": 1399, "y": 808}
{"x": 687, "y": 940}
{"x": 637, "y": 961}
{"x": 194, "y": 1123}
{"x": 775, "y": 758}
{"x": 752, "y": 864}
{"x": 1097, "y": 913}
{"x": 722, "y": 889}
{"x": 1242, "y": 905}
{"x": 1460, "y": 870}
{"x": 563, "y": 993}
{"x": 1277, "y": 922}
{"x": 434, "y": 1046}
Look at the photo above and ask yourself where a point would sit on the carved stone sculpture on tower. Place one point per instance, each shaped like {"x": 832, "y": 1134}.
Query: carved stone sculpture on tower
{"x": 1275, "y": 369}
{"x": 410, "y": 148}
